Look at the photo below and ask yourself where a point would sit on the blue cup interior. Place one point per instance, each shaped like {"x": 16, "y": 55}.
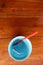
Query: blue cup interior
{"x": 20, "y": 51}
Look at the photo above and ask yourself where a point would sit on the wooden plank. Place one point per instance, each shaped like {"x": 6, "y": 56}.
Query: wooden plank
{"x": 21, "y": 11}
{"x": 6, "y": 31}
{"x": 33, "y": 40}
{"x": 34, "y": 21}
{"x": 36, "y": 56}
{"x": 12, "y": 3}
{"x": 18, "y": 8}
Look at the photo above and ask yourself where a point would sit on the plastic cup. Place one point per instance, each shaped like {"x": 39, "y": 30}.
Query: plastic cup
{"x": 21, "y": 51}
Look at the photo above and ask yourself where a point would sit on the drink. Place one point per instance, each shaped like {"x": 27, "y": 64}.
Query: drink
{"x": 20, "y": 51}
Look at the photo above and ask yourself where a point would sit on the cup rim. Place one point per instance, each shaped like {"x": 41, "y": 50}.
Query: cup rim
{"x": 19, "y": 38}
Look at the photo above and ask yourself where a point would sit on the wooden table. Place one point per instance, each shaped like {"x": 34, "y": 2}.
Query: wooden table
{"x": 21, "y": 17}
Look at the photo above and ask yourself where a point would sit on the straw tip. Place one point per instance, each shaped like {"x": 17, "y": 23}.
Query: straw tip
{"x": 36, "y": 32}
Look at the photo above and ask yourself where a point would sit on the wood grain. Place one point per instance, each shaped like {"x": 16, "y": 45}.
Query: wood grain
{"x": 21, "y": 17}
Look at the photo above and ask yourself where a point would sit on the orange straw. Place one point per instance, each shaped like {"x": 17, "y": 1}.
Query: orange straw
{"x": 29, "y": 36}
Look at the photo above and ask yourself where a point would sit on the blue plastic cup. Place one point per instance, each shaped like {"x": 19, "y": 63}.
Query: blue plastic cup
{"x": 21, "y": 51}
